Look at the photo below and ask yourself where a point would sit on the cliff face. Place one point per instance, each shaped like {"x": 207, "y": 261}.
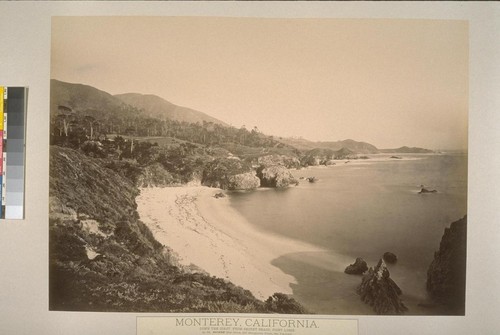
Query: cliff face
{"x": 446, "y": 274}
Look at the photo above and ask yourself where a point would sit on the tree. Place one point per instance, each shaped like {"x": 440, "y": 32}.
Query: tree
{"x": 242, "y": 134}
{"x": 64, "y": 118}
{"x": 91, "y": 122}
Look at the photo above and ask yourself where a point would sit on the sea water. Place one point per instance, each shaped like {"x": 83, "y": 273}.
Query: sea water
{"x": 362, "y": 208}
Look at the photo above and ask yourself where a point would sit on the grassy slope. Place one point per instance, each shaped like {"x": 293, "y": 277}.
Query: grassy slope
{"x": 132, "y": 271}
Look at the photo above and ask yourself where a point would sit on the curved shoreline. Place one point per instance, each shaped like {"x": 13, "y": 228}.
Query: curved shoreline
{"x": 207, "y": 232}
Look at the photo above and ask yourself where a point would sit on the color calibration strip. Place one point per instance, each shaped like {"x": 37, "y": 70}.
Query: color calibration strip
{"x": 13, "y": 104}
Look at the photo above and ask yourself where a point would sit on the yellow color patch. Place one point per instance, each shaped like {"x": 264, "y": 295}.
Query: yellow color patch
{"x": 1, "y": 106}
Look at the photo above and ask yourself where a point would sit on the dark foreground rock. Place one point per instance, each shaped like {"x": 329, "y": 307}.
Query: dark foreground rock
{"x": 379, "y": 291}
{"x": 389, "y": 257}
{"x": 446, "y": 273}
{"x": 358, "y": 268}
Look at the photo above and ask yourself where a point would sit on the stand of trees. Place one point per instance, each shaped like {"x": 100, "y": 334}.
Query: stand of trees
{"x": 72, "y": 128}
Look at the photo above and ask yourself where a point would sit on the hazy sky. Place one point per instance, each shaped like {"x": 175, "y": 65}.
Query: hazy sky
{"x": 386, "y": 82}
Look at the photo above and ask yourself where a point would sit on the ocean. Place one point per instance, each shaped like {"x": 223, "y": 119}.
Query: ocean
{"x": 362, "y": 208}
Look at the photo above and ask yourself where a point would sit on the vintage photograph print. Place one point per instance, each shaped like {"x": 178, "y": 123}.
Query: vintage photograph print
{"x": 258, "y": 165}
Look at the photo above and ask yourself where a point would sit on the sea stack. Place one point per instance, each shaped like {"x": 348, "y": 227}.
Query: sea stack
{"x": 379, "y": 291}
{"x": 358, "y": 268}
{"x": 389, "y": 257}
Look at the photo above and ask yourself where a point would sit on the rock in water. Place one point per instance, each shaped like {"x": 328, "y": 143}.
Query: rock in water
{"x": 379, "y": 291}
{"x": 389, "y": 257}
{"x": 358, "y": 268}
{"x": 275, "y": 176}
{"x": 243, "y": 181}
{"x": 446, "y": 274}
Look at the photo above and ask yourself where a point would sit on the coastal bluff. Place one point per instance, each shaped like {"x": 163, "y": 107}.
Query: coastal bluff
{"x": 446, "y": 273}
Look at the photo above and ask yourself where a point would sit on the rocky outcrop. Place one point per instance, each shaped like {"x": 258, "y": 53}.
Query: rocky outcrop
{"x": 389, "y": 257}
{"x": 379, "y": 291}
{"x": 276, "y": 176}
{"x": 358, "y": 268}
{"x": 229, "y": 174}
{"x": 318, "y": 156}
{"x": 243, "y": 181}
{"x": 282, "y": 303}
{"x": 273, "y": 171}
{"x": 446, "y": 273}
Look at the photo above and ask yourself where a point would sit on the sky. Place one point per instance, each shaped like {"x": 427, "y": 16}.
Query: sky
{"x": 389, "y": 82}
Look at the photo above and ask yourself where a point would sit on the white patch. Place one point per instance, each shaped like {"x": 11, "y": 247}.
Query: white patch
{"x": 91, "y": 253}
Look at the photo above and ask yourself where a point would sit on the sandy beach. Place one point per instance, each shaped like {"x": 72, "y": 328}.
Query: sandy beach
{"x": 207, "y": 232}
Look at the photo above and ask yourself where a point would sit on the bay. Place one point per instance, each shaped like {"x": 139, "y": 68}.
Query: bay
{"x": 362, "y": 208}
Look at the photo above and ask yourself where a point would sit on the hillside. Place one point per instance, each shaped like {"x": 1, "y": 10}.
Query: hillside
{"x": 157, "y": 107}
{"x": 81, "y": 97}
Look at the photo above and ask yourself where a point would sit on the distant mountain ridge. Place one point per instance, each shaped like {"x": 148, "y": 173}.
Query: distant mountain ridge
{"x": 407, "y": 150}
{"x": 155, "y": 106}
{"x": 83, "y": 97}
{"x": 355, "y": 146}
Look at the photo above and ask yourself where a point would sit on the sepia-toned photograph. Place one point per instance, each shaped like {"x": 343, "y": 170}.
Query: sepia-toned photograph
{"x": 258, "y": 165}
